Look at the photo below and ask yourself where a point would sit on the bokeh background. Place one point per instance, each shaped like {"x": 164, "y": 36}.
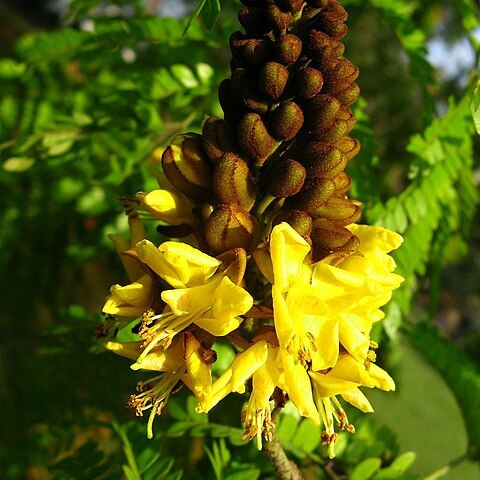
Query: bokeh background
{"x": 88, "y": 90}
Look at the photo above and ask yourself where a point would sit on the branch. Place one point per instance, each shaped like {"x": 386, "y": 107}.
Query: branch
{"x": 286, "y": 469}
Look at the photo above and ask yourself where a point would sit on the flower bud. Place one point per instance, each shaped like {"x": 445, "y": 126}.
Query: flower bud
{"x": 263, "y": 260}
{"x": 314, "y": 194}
{"x": 286, "y": 178}
{"x": 322, "y": 47}
{"x": 234, "y": 264}
{"x": 322, "y": 111}
{"x": 343, "y": 124}
{"x": 342, "y": 211}
{"x": 233, "y": 182}
{"x": 272, "y": 79}
{"x": 254, "y": 138}
{"x": 300, "y": 221}
{"x": 323, "y": 160}
{"x": 339, "y": 69}
{"x": 331, "y": 19}
{"x": 243, "y": 90}
{"x": 287, "y": 49}
{"x": 229, "y": 226}
{"x": 186, "y": 166}
{"x": 332, "y": 238}
{"x": 307, "y": 82}
{"x": 278, "y": 20}
{"x": 217, "y": 139}
{"x": 286, "y": 121}
{"x": 253, "y": 20}
{"x": 170, "y": 206}
{"x": 291, "y": 5}
{"x": 349, "y": 147}
{"x": 257, "y": 51}
{"x": 342, "y": 183}
{"x": 346, "y": 93}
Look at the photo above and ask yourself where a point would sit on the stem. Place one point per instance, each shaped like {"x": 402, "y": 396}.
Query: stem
{"x": 285, "y": 468}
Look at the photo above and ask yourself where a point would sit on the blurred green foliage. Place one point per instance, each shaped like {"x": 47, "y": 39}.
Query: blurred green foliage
{"x": 83, "y": 107}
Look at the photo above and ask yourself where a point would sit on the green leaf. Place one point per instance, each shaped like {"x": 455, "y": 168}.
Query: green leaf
{"x": 475, "y": 107}
{"x": 307, "y": 436}
{"x": 210, "y": 13}
{"x": 366, "y": 469}
{"x": 18, "y": 164}
{"x": 194, "y": 15}
{"x": 462, "y": 375}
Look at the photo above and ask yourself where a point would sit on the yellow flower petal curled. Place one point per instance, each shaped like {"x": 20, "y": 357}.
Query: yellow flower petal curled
{"x": 130, "y": 300}
{"x": 169, "y": 206}
{"x": 179, "y": 264}
{"x": 242, "y": 368}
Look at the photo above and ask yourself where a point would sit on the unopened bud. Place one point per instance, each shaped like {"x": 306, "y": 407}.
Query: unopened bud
{"x": 321, "y": 47}
{"x": 217, "y": 139}
{"x": 254, "y": 138}
{"x": 342, "y": 183}
{"x": 257, "y": 51}
{"x": 322, "y": 111}
{"x": 244, "y": 92}
{"x": 287, "y": 49}
{"x": 186, "y": 166}
{"x": 278, "y": 20}
{"x": 346, "y": 93}
{"x": 253, "y": 20}
{"x": 330, "y": 237}
{"x": 263, "y": 260}
{"x": 291, "y": 5}
{"x": 300, "y": 221}
{"x": 342, "y": 211}
{"x": 332, "y": 20}
{"x": 323, "y": 160}
{"x": 234, "y": 264}
{"x": 307, "y": 82}
{"x": 344, "y": 123}
{"x": 272, "y": 79}
{"x": 287, "y": 120}
{"x": 229, "y": 226}
{"x": 340, "y": 69}
{"x": 314, "y": 194}
{"x": 286, "y": 178}
{"x": 233, "y": 182}
{"x": 349, "y": 147}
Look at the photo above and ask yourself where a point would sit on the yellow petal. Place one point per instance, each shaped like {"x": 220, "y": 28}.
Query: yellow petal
{"x": 328, "y": 385}
{"x": 355, "y": 341}
{"x": 283, "y": 321}
{"x": 132, "y": 266}
{"x": 130, "y": 300}
{"x": 356, "y": 398}
{"x": 288, "y": 250}
{"x": 129, "y": 350}
{"x": 298, "y": 386}
{"x": 167, "y": 205}
{"x": 381, "y": 378}
{"x": 230, "y": 300}
{"x": 375, "y": 238}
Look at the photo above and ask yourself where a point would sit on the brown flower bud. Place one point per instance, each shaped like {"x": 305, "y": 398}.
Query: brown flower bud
{"x": 321, "y": 47}
{"x": 287, "y": 49}
{"x": 263, "y": 260}
{"x": 229, "y": 226}
{"x": 186, "y": 166}
{"x": 257, "y": 51}
{"x": 314, "y": 194}
{"x": 291, "y": 5}
{"x": 323, "y": 160}
{"x": 254, "y": 138}
{"x": 243, "y": 90}
{"x": 339, "y": 69}
{"x": 342, "y": 211}
{"x": 278, "y": 20}
{"x": 346, "y": 93}
{"x": 272, "y": 79}
{"x": 344, "y": 123}
{"x": 286, "y": 178}
{"x": 330, "y": 237}
{"x": 307, "y": 82}
{"x": 234, "y": 264}
{"x": 342, "y": 183}
{"x": 300, "y": 221}
{"x": 217, "y": 138}
{"x": 322, "y": 110}
{"x": 253, "y": 20}
{"x": 286, "y": 121}
{"x": 331, "y": 19}
{"x": 349, "y": 147}
{"x": 233, "y": 182}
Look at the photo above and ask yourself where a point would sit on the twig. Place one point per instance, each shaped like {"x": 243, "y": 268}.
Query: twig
{"x": 285, "y": 468}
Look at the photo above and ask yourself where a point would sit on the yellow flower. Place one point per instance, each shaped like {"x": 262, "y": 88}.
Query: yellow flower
{"x": 168, "y": 205}
{"x": 180, "y": 362}
{"x": 130, "y": 300}
{"x": 200, "y": 295}
{"x": 318, "y": 307}
{"x": 344, "y": 379}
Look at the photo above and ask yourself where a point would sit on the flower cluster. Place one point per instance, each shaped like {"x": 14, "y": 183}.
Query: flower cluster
{"x": 263, "y": 230}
